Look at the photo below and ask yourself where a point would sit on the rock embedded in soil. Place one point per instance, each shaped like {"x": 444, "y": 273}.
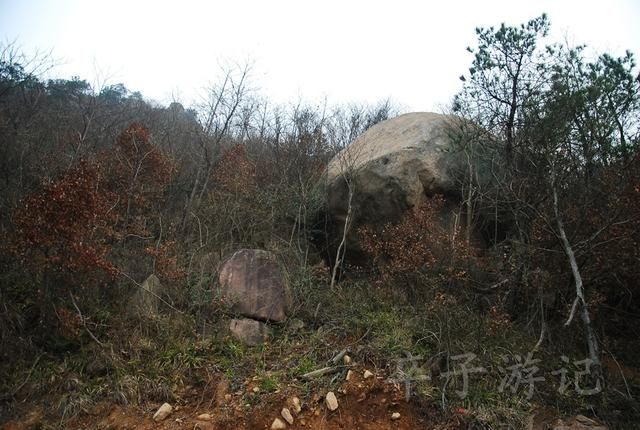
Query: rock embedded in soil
{"x": 163, "y": 412}
{"x": 287, "y": 415}
{"x": 204, "y": 417}
{"x": 278, "y": 424}
{"x": 295, "y": 403}
{"x": 349, "y": 375}
{"x": 204, "y": 425}
{"x": 395, "y": 416}
{"x": 248, "y": 331}
{"x": 367, "y": 374}
{"x": 331, "y": 401}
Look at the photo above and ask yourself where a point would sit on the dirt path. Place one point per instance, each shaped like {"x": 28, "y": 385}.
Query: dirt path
{"x": 368, "y": 404}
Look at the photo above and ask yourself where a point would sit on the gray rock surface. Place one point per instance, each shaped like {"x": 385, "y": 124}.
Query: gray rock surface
{"x": 397, "y": 165}
{"x": 248, "y": 331}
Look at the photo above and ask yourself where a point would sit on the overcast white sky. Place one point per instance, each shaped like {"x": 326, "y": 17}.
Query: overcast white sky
{"x": 348, "y": 50}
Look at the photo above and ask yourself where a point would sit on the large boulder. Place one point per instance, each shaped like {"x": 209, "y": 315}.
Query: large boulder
{"x": 254, "y": 284}
{"x": 396, "y": 165}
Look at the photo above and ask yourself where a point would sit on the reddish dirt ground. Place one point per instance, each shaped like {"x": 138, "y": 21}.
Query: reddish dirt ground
{"x": 366, "y": 404}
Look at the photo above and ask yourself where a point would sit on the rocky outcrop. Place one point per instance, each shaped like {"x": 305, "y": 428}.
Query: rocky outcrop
{"x": 395, "y": 166}
{"x": 254, "y": 285}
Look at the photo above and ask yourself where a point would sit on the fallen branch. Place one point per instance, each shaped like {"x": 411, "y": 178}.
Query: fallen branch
{"x": 339, "y": 356}
{"x": 84, "y": 322}
{"x": 320, "y": 372}
{"x": 19, "y": 387}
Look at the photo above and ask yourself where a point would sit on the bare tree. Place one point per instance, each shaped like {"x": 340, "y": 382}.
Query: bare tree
{"x": 218, "y": 112}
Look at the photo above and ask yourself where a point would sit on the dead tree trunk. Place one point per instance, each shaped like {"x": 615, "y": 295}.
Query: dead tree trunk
{"x": 579, "y": 301}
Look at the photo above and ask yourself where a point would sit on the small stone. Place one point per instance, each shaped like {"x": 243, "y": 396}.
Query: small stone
{"x": 256, "y": 390}
{"x": 331, "y": 401}
{"x": 346, "y": 359}
{"x": 204, "y": 417}
{"x": 249, "y": 332}
{"x": 278, "y": 424}
{"x": 222, "y": 389}
{"x": 296, "y": 324}
{"x": 395, "y": 416}
{"x": 295, "y": 403}
{"x": 287, "y": 415}
{"x": 163, "y": 412}
{"x": 227, "y": 397}
{"x": 367, "y": 374}
{"x": 349, "y": 375}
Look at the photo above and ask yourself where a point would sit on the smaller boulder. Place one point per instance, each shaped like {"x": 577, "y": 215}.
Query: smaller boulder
{"x": 248, "y": 331}
{"x": 253, "y": 283}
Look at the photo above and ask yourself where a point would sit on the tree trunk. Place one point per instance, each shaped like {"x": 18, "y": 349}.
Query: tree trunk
{"x": 343, "y": 242}
{"x": 592, "y": 341}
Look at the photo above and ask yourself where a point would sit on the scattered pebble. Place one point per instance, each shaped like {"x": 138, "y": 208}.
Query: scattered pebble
{"x": 331, "y": 401}
{"x": 367, "y": 374}
{"x": 256, "y": 390}
{"x": 349, "y": 375}
{"x": 287, "y": 415}
{"x": 163, "y": 412}
{"x": 278, "y": 424}
{"x": 395, "y": 416}
{"x": 295, "y": 402}
{"x": 204, "y": 417}
{"x": 346, "y": 359}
